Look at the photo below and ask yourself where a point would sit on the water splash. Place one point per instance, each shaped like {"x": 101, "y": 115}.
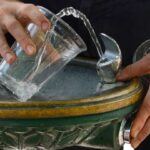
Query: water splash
{"x": 23, "y": 90}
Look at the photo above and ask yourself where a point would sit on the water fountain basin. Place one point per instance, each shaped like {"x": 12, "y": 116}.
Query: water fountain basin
{"x": 69, "y": 111}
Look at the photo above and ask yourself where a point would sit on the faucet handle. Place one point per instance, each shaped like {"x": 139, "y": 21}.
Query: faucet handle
{"x": 125, "y": 130}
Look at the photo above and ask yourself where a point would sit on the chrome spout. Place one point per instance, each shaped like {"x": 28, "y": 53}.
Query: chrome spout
{"x": 110, "y": 62}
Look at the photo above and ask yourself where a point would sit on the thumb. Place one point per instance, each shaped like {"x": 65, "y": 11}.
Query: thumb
{"x": 139, "y": 68}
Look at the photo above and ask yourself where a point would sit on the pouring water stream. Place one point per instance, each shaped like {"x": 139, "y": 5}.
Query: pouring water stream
{"x": 77, "y": 14}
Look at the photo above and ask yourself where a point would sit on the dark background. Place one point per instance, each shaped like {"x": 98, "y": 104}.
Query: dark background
{"x": 127, "y": 21}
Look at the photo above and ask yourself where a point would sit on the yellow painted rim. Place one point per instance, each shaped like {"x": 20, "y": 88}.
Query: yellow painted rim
{"x": 116, "y": 99}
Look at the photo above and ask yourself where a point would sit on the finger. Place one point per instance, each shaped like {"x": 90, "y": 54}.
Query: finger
{"x": 142, "y": 134}
{"x": 18, "y": 32}
{"x": 32, "y": 12}
{"x": 5, "y": 50}
{"x": 141, "y": 67}
{"x": 52, "y": 53}
{"x": 141, "y": 117}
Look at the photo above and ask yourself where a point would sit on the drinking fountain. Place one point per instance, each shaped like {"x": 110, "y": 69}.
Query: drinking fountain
{"x": 82, "y": 105}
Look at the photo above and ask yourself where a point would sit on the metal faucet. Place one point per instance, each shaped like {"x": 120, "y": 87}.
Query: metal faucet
{"x": 110, "y": 62}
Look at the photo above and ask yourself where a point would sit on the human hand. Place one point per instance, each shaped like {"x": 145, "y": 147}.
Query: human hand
{"x": 14, "y": 16}
{"x": 141, "y": 125}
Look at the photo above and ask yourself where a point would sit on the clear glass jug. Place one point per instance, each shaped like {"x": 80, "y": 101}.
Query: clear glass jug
{"x": 54, "y": 50}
